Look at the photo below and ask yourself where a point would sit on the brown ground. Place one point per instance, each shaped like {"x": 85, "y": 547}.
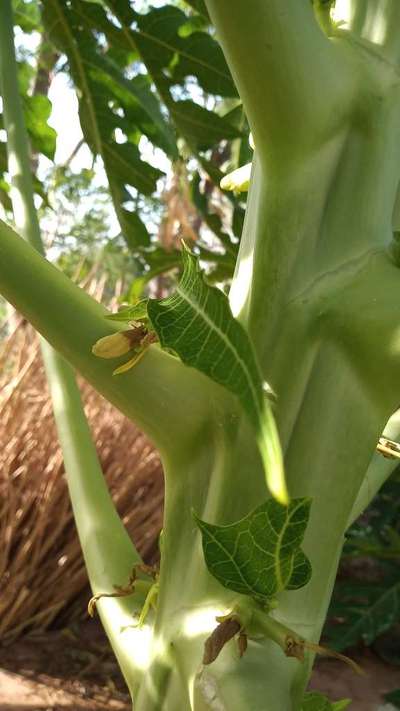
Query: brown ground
{"x": 74, "y": 670}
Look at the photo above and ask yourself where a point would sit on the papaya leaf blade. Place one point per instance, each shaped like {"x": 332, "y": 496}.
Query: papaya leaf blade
{"x": 197, "y": 324}
{"x": 256, "y": 555}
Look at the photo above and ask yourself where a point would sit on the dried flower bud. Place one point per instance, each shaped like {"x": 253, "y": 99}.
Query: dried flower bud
{"x": 218, "y": 639}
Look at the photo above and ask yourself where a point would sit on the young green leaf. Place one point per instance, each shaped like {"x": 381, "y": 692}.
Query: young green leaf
{"x": 260, "y": 555}
{"x": 196, "y": 323}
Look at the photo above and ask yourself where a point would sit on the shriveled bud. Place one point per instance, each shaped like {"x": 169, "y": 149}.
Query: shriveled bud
{"x": 112, "y": 346}
{"x": 227, "y": 629}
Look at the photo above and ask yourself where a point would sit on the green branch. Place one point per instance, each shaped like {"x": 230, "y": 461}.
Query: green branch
{"x": 375, "y": 23}
{"x": 160, "y": 394}
{"x": 286, "y": 70}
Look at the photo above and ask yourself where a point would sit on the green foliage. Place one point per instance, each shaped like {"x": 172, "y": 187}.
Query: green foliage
{"x": 196, "y": 323}
{"x": 364, "y": 610}
{"x": 393, "y": 698}
{"x": 260, "y": 555}
{"x": 202, "y": 128}
{"x": 26, "y": 15}
{"x": 102, "y": 100}
{"x": 107, "y": 47}
{"x": 364, "y": 607}
{"x": 37, "y": 110}
{"x": 314, "y": 701}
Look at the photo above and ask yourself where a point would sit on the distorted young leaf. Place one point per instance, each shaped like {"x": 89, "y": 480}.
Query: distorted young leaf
{"x": 256, "y": 556}
{"x": 197, "y": 324}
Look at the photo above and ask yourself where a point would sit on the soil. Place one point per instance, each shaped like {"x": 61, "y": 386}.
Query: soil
{"x": 68, "y": 670}
{"x": 74, "y": 670}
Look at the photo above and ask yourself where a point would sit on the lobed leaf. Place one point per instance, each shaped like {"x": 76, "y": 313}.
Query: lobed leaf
{"x": 257, "y": 555}
{"x": 197, "y": 324}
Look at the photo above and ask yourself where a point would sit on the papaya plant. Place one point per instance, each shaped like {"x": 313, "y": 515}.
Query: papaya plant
{"x": 267, "y": 405}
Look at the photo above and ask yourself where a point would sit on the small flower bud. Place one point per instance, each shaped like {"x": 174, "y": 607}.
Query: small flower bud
{"x": 238, "y": 180}
{"x": 112, "y": 346}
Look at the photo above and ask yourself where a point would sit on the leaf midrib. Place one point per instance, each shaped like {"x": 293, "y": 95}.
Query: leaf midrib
{"x": 229, "y": 344}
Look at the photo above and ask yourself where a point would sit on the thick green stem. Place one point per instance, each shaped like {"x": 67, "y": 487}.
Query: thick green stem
{"x": 288, "y": 74}
{"x": 313, "y": 284}
{"x": 376, "y": 23}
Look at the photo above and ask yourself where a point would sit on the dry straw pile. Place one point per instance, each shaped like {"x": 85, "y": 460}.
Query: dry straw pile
{"x": 42, "y": 576}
